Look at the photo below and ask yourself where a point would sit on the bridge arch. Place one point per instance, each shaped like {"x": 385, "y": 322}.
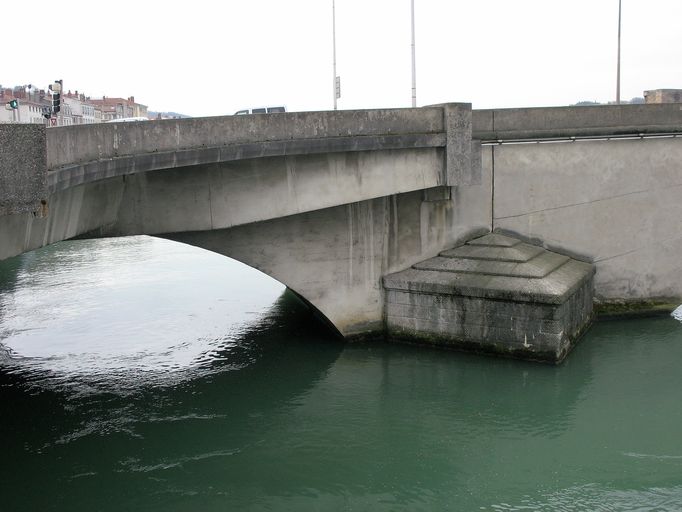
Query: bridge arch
{"x": 326, "y": 203}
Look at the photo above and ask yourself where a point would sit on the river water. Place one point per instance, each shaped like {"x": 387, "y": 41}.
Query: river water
{"x": 139, "y": 374}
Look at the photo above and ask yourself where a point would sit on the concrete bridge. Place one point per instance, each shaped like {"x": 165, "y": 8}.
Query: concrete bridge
{"x": 330, "y": 202}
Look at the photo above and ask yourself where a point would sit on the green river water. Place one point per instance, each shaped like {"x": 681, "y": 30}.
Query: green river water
{"x": 138, "y": 374}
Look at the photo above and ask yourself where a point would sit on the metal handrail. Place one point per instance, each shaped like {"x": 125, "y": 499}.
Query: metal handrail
{"x": 573, "y": 138}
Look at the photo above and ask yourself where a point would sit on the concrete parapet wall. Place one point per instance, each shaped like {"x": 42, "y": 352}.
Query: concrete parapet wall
{"x": 23, "y": 178}
{"x": 78, "y": 174}
{"x": 78, "y": 144}
{"x": 551, "y": 122}
{"x": 82, "y": 154}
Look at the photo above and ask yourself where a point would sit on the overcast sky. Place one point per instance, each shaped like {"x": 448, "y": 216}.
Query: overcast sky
{"x": 208, "y": 57}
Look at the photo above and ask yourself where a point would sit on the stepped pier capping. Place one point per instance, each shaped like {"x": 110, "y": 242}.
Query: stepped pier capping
{"x": 493, "y": 294}
{"x": 498, "y": 230}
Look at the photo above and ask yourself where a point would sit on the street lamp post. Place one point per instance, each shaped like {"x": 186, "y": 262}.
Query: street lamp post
{"x": 336, "y": 95}
{"x": 414, "y": 67}
{"x": 618, "y": 65}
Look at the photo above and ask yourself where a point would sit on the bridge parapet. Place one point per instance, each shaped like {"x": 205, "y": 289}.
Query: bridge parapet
{"x": 568, "y": 122}
{"x": 84, "y": 143}
{"x": 81, "y": 154}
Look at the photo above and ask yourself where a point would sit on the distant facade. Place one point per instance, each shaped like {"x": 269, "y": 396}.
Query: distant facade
{"x": 30, "y": 105}
{"x": 663, "y": 96}
{"x": 80, "y": 109}
{"x": 120, "y": 108}
{"x": 76, "y": 108}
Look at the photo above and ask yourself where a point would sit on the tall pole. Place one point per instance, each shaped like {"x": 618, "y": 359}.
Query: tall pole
{"x": 334, "y": 49}
{"x": 618, "y": 66}
{"x": 414, "y": 66}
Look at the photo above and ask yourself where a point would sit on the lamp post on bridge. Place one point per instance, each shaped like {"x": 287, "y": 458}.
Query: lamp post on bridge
{"x": 618, "y": 65}
{"x": 337, "y": 79}
{"x": 414, "y": 67}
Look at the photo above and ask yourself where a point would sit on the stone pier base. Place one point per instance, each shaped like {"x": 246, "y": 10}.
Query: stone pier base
{"x": 494, "y": 294}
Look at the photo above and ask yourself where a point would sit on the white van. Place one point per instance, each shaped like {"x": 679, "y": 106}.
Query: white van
{"x": 127, "y": 120}
{"x": 262, "y": 110}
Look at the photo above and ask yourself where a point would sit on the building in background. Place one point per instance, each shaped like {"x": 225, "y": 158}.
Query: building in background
{"x": 119, "y": 108}
{"x": 75, "y": 108}
{"x": 663, "y": 96}
{"x": 31, "y": 103}
{"x": 83, "y": 110}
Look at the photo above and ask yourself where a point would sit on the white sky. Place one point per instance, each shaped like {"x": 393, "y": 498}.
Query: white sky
{"x": 213, "y": 57}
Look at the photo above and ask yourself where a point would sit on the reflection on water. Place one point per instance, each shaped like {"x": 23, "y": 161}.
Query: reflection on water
{"x": 182, "y": 383}
{"x": 595, "y": 497}
{"x": 97, "y": 316}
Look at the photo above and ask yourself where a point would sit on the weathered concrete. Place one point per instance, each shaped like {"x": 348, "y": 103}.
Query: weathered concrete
{"x": 71, "y": 213}
{"x": 556, "y": 122}
{"x": 534, "y": 309}
{"x": 223, "y": 195}
{"x": 23, "y": 182}
{"x": 82, "y": 154}
{"x": 459, "y": 146}
{"x": 86, "y": 143}
{"x": 616, "y": 203}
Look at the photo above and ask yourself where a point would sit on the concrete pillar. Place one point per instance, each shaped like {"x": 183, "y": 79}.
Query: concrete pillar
{"x": 457, "y": 121}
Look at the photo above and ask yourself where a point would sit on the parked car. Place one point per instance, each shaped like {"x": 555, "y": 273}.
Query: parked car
{"x": 262, "y": 110}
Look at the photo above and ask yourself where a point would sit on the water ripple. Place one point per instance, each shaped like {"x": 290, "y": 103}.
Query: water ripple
{"x": 649, "y": 456}
{"x": 593, "y": 497}
{"x": 677, "y": 314}
{"x": 134, "y": 464}
{"x": 81, "y": 319}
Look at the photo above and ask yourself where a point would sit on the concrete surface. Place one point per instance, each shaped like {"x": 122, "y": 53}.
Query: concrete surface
{"x": 23, "y": 182}
{"x": 223, "y": 195}
{"x": 86, "y": 143}
{"x": 335, "y": 257}
{"x": 616, "y": 203}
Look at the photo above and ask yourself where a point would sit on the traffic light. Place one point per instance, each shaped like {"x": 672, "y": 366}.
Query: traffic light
{"x": 47, "y": 112}
{"x": 13, "y": 104}
{"x": 56, "y": 99}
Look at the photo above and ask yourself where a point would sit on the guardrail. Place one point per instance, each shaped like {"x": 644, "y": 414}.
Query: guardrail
{"x": 539, "y": 140}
